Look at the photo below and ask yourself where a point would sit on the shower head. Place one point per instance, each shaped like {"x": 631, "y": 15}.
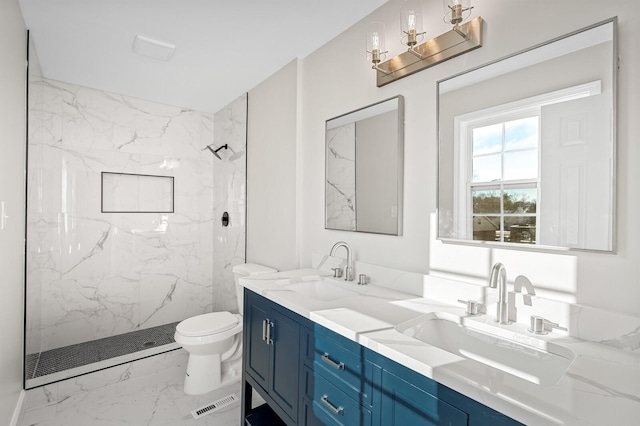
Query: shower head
{"x": 234, "y": 156}
{"x": 215, "y": 151}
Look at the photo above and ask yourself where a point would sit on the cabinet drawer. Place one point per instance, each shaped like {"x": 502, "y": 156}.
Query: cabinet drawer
{"x": 331, "y": 405}
{"x": 344, "y": 368}
{"x": 320, "y": 338}
{"x": 405, "y": 404}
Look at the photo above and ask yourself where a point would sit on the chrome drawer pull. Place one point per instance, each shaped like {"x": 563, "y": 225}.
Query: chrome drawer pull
{"x": 331, "y": 362}
{"x": 264, "y": 330}
{"x": 270, "y": 327}
{"x": 336, "y": 410}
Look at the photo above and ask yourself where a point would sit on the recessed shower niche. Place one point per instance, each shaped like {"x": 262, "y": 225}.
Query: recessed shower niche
{"x": 134, "y": 193}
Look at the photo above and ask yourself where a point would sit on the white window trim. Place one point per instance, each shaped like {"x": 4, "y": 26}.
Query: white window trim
{"x": 462, "y": 145}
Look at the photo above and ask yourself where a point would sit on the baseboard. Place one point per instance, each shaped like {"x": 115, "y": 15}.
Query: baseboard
{"x": 17, "y": 412}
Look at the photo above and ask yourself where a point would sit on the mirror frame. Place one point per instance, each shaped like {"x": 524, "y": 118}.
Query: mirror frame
{"x": 399, "y": 166}
{"x": 614, "y": 133}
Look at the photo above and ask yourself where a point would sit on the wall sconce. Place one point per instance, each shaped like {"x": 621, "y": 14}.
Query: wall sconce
{"x": 375, "y": 44}
{"x": 411, "y": 24}
{"x": 456, "y": 11}
{"x": 462, "y": 38}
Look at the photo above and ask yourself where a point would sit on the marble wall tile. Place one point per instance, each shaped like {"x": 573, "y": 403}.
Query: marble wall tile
{"x": 92, "y": 274}
{"x": 229, "y": 178}
{"x": 341, "y": 178}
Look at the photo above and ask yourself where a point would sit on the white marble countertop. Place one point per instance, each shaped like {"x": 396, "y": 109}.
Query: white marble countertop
{"x": 601, "y": 386}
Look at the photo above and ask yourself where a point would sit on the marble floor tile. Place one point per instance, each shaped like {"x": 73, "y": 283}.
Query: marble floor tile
{"x": 152, "y": 399}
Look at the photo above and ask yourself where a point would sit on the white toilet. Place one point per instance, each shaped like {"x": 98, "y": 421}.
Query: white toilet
{"x": 214, "y": 341}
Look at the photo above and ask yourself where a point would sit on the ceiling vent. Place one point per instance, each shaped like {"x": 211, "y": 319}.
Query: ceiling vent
{"x": 156, "y": 49}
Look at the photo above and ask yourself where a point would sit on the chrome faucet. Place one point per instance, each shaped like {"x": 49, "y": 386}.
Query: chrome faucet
{"x": 521, "y": 280}
{"x": 348, "y": 270}
{"x": 498, "y": 279}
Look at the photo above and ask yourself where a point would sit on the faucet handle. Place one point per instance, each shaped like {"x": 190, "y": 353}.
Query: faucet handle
{"x": 363, "y": 279}
{"x": 337, "y": 272}
{"x": 540, "y": 325}
{"x": 473, "y": 307}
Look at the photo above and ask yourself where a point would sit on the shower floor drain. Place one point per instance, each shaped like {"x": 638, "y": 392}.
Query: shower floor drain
{"x": 214, "y": 406}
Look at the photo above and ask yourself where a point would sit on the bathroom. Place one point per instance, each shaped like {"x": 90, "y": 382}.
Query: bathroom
{"x": 285, "y": 173}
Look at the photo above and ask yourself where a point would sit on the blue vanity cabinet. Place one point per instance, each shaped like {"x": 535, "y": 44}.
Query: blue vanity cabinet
{"x": 272, "y": 356}
{"x": 312, "y": 376}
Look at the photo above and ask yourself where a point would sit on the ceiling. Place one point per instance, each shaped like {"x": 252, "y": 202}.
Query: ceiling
{"x": 223, "y": 47}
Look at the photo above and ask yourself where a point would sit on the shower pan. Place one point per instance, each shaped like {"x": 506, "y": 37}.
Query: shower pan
{"x": 68, "y": 361}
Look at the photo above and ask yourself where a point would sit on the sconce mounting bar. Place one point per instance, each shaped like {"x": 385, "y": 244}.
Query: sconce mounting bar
{"x": 439, "y": 49}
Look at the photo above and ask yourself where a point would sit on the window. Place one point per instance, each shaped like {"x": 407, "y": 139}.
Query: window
{"x": 497, "y": 184}
{"x": 504, "y": 179}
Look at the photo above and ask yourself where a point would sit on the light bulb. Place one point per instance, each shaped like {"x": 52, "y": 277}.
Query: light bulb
{"x": 375, "y": 41}
{"x": 411, "y": 21}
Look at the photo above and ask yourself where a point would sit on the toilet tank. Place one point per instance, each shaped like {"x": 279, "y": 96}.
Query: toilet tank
{"x": 247, "y": 270}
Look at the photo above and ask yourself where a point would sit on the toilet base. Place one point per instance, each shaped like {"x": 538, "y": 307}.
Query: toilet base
{"x": 206, "y": 373}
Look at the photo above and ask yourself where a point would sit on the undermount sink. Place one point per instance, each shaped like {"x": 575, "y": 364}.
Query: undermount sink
{"x": 319, "y": 289}
{"x": 527, "y": 357}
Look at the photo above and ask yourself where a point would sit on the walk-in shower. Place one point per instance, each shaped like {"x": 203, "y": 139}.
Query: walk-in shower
{"x": 106, "y": 286}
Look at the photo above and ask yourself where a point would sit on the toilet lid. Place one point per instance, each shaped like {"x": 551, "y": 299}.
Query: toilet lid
{"x": 201, "y": 325}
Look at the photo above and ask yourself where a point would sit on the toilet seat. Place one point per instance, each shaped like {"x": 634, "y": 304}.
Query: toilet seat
{"x": 207, "y": 324}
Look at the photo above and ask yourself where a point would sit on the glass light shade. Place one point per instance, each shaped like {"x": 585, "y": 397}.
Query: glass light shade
{"x": 456, "y": 11}
{"x": 375, "y": 40}
{"x": 451, "y": 3}
{"x": 411, "y": 18}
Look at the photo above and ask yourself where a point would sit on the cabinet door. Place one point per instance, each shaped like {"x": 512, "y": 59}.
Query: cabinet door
{"x": 405, "y": 404}
{"x": 256, "y": 311}
{"x": 285, "y": 362}
{"x": 307, "y": 418}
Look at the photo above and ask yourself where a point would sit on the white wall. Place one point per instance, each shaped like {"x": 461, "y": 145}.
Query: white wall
{"x": 271, "y": 170}
{"x": 13, "y": 48}
{"x": 337, "y": 79}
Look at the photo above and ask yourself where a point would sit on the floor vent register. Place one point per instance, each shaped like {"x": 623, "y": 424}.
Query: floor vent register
{"x": 215, "y": 406}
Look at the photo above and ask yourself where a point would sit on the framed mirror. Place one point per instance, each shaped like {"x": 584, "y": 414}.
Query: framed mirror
{"x": 364, "y": 157}
{"x": 526, "y": 154}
